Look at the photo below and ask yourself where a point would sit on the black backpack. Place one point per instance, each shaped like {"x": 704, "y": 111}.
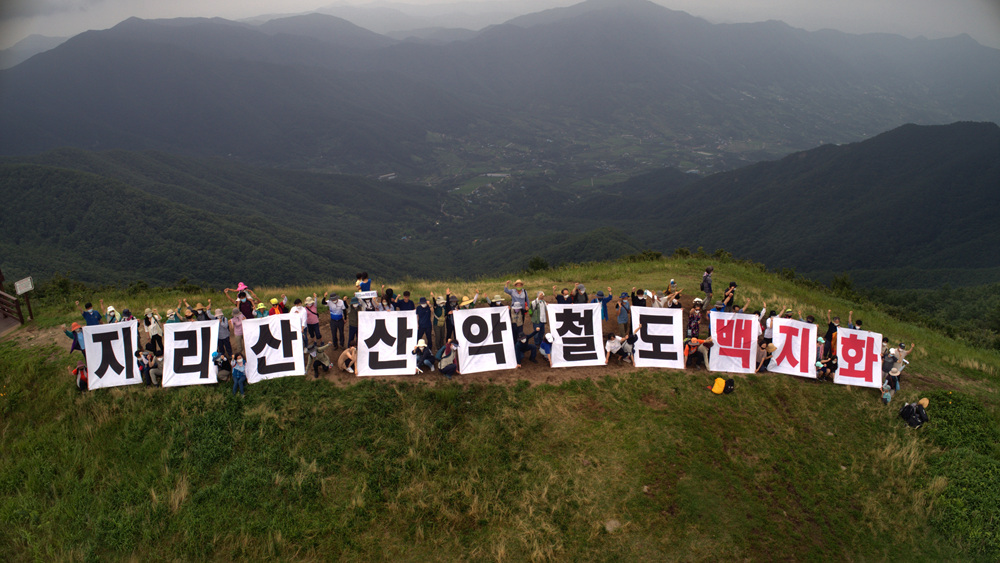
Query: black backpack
{"x": 730, "y": 386}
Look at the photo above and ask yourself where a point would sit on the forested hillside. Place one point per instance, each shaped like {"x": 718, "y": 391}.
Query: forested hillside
{"x": 914, "y": 207}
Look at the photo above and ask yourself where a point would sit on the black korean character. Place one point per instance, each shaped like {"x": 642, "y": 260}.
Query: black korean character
{"x": 108, "y": 358}
{"x": 204, "y": 359}
{"x": 658, "y": 341}
{"x": 583, "y": 346}
{"x": 267, "y": 340}
{"x": 476, "y": 330}
{"x": 381, "y": 334}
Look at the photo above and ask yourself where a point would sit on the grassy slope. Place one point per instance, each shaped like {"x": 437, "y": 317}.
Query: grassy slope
{"x": 304, "y": 470}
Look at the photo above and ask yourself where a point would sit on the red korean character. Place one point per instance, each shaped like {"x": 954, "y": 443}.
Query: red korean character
{"x": 858, "y": 357}
{"x": 734, "y": 339}
{"x": 787, "y": 354}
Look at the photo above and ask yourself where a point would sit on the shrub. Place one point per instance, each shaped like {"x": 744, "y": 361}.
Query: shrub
{"x": 537, "y": 264}
{"x": 682, "y": 252}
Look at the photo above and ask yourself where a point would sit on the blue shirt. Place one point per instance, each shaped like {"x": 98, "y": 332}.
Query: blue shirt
{"x": 92, "y": 317}
{"x": 604, "y": 306}
{"x": 424, "y": 317}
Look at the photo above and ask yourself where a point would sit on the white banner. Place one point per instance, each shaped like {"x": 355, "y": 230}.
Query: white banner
{"x": 858, "y": 358}
{"x": 273, "y": 346}
{"x": 110, "y": 354}
{"x": 485, "y": 339}
{"x": 796, "y": 343}
{"x": 734, "y": 342}
{"x": 187, "y": 358}
{"x": 386, "y": 340}
{"x": 366, "y": 294}
{"x": 576, "y": 332}
{"x": 661, "y": 339}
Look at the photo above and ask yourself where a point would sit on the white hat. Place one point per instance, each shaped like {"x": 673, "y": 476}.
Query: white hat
{"x": 421, "y": 343}
{"x": 549, "y": 338}
{"x": 698, "y": 300}
{"x": 892, "y": 351}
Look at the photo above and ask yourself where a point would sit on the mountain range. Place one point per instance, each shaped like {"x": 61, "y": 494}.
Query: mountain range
{"x": 629, "y": 83}
{"x": 913, "y": 207}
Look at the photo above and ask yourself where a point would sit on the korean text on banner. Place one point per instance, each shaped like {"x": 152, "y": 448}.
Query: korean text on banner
{"x": 188, "y": 353}
{"x": 485, "y": 339}
{"x": 111, "y": 354}
{"x": 858, "y": 359}
{"x": 273, "y": 347}
{"x": 734, "y": 338}
{"x": 796, "y": 348}
{"x": 661, "y": 338}
{"x": 576, "y": 332}
{"x": 386, "y": 340}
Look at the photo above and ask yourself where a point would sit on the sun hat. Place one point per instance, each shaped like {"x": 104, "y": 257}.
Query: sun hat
{"x": 74, "y": 326}
{"x": 582, "y": 289}
{"x": 189, "y": 313}
{"x": 148, "y": 311}
{"x": 894, "y": 371}
{"x": 600, "y": 293}
{"x": 274, "y": 301}
{"x": 465, "y": 301}
{"x": 110, "y": 309}
{"x": 771, "y": 348}
{"x": 261, "y": 306}
{"x": 170, "y": 312}
{"x": 421, "y": 343}
{"x": 218, "y": 312}
{"x": 423, "y": 300}
{"x": 624, "y": 294}
{"x": 892, "y": 351}
{"x": 439, "y": 300}
{"x": 518, "y": 282}
{"x": 355, "y": 301}
{"x": 720, "y": 304}
{"x": 924, "y": 402}
{"x": 497, "y": 298}
{"x": 310, "y": 300}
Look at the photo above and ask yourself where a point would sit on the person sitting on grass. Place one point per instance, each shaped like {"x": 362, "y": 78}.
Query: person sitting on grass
{"x": 449, "y": 359}
{"x": 81, "y": 375}
{"x": 764, "y": 353}
{"x": 225, "y": 367}
{"x": 522, "y": 346}
{"x": 348, "y": 358}
{"x": 425, "y": 359}
{"x": 545, "y": 348}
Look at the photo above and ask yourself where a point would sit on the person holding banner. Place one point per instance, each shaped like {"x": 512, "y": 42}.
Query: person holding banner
{"x": 425, "y": 359}
{"x": 90, "y": 316}
{"x": 518, "y": 304}
{"x": 151, "y": 323}
{"x": 694, "y": 319}
{"x": 540, "y": 317}
{"x": 425, "y": 322}
{"x": 449, "y": 359}
{"x": 693, "y": 345}
{"x": 75, "y": 333}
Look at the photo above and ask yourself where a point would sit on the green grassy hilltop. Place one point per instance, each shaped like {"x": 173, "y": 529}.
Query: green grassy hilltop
{"x": 632, "y": 465}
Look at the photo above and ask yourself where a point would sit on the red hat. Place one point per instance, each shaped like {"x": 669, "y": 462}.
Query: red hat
{"x": 74, "y": 326}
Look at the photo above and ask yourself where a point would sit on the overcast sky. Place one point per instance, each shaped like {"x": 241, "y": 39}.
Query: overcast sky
{"x": 930, "y": 18}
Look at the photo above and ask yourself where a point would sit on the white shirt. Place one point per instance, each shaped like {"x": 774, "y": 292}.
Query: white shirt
{"x": 613, "y": 345}
{"x": 301, "y": 312}
{"x": 543, "y": 313}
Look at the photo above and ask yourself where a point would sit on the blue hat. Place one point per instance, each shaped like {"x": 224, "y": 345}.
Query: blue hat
{"x": 423, "y": 300}
{"x": 624, "y": 294}
{"x": 215, "y": 355}
{"x": 600, "y": 293}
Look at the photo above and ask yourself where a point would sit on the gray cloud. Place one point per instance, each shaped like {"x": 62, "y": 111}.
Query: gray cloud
{"x": 16, "y": 9}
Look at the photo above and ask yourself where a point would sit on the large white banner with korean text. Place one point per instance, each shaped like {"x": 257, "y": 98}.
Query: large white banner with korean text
{"x": 386, "y": 340}
{"x": 576, "y": 332}
{"x": 110, "y": 354}
{"x": 187, "y": 358}
{"x": 273, "y": 347}
{"x": 485, "y": 339}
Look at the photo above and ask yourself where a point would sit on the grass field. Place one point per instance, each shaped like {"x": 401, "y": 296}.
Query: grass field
{"x": 640, "y": 465}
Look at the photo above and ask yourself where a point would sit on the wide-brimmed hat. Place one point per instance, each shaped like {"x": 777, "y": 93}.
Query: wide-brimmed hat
{"x": 334, "y": 295}
{"x": 189, "y": 313}
{"x": 518, "y": 282}
{"x": 421, "y": 343}
{"x": 309, "y": 300}
{"x": 624, "y": 294}
{"x": 241, "y": 287}
{"x": 111, "y": 309}
{"x": 148, "y": 311}
{"x": 439, "y": 300}
{"x": 924, "y": 402}
{"x": 74, "y": 326}
{"x": 170, "y": 312}
{"x": 498, "y": 298}
{"x": 218, "y": 312}
{"x": 600, "y": 293}
{"x": 720, "y": 304}
{"x": 261, "y": 306}
{"x": 771, "y": 348}
{"x": 894, "y": 371}
{"x": 422, "y": 300}
{"x": 355, "y": 301}
{"x": 466, "y": 301}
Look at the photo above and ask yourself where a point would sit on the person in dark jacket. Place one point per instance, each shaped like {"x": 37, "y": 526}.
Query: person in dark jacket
{"x": 425, "y": 359}
{"x": 425, "y": 322}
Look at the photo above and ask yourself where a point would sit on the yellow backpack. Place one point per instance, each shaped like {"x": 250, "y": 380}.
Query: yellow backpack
{"x": 720, "y": 385}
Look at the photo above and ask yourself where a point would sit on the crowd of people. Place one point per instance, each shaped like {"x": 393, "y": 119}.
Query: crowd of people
{"x": 436, "y": 348}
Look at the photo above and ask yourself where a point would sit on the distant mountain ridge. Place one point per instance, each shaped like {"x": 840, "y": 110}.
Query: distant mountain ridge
{"x": 318, "y": 92}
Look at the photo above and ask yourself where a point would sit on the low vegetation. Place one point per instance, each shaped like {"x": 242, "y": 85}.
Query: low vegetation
{"x": 642, "y": 464}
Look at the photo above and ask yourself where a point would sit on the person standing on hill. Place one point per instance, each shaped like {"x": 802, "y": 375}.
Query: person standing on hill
{"x": 694, "y": 319}
{"x": 425, "y": 322}
{"x": 624, "y": 308}
{"x": 75, "y": 333}
{"x": 352, "y": 322}
{"x": 405, "y": 303}
{"x": 438, "y": 316}
{"x": 151, "y": 323}
{"x": 312, "y": 318}
{"x": 246, "y": 299}
{"x": 90, "y": 316}
{"x": 638, "y": 298}
{"x": 706, "y": 283}
{"x": 518, "y": 305}
{"x": 225, "y": 344}
{"x": 603, "y": 300}
{"x": 277, "y": 307}
{"x": 580, "y": 294}
{"x": 833, "y": 324}
{"x": 236, "y": 327}
{"x": 729, "y": 298}
{"x": 540, "y": 317}
{"x": 239, "y": 375}
{"x": 337, "y": 308}
{"x": 563, "y": 297}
